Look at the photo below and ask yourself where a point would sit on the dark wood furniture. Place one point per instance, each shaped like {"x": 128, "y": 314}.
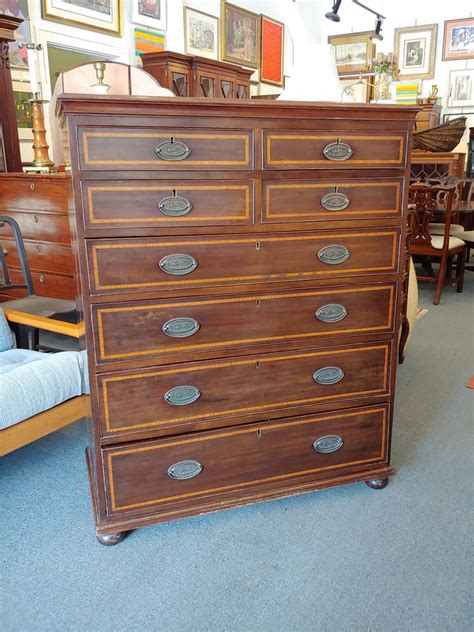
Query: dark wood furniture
{"x": 189, "y": 76}
{"x": 241, "y": 270}
{"x": 429, "y": 164}
{"x": 470, "y": 154}
{"x": 428, "y": 117}
{"x": 8, "y": 124}
{"x": 40, "y": 204}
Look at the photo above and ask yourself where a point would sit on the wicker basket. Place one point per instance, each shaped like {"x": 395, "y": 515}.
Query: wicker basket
{"x": 441, "y": 138}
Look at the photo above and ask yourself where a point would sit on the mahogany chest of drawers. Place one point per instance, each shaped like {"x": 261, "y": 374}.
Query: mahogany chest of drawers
{"x": 242, "y": 276}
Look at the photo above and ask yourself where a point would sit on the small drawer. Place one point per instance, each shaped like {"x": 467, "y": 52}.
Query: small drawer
{"x": 45, "y": 284}
{"x": 39, "y": 226}
{"x": 316, "y": 200}
{"x": 35, "y": 193}
{"x": 173, "y": 203}
{"x": 164, "y": 149}
{"x": 124, "y": 264}
{"x": 161, "y": 329}
{"x": 307, "y": 150}
{"x": 41, "y": 256}
{"x": 183, "y": 397}
{"x": 171, "y": 474}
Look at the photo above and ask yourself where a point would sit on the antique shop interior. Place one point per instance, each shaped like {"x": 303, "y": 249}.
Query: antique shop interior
{"x": 236, "y": 315}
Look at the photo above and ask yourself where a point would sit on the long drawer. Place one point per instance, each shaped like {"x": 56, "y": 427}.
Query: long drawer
{"x": 165, "y": 476}
{"x": 124, "y": 264}
{"x": 39, "y": 226}
{"x": 185, "y": 396}
{"x": 160, "y": 329}
{"x": 38, "y": 192}
{"x": 41, "y": 256}
{"x": 45, "y": 284}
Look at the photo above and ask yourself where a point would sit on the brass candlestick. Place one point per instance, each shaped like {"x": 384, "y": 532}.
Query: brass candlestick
{"x": 40, "y": 146}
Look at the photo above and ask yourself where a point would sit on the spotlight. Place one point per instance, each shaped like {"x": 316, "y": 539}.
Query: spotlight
{"x": 332, "y": 15}
{"x": 376, "y": 35}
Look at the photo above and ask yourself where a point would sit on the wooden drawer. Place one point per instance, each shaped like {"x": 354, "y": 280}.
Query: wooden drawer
{"x": 316, "y": 200}
{"x": 161, "y": 329}
{"x": 41, "y": 256}
{"x": 184, "y": 397}
{"x": 35, "y": 193}
{"x": 39, "y": 226}
{"x": 45, "y": 284}
{"x": 308, "y": 149}
{"x": 173, "y": 203}
{"x": 165, "y": 476}
{"x": 164, "y": 149}
{"x": 124, "y": 264}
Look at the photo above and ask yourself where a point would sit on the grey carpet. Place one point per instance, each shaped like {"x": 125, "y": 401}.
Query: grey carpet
{"x": 347, "y": 559}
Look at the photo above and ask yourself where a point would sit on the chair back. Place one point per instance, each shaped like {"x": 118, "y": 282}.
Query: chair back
{"x": 428, "y": 201}
{"x": 5, "y": 281}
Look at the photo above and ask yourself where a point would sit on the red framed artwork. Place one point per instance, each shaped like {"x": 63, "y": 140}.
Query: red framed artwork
{"x": 272, "y": 38}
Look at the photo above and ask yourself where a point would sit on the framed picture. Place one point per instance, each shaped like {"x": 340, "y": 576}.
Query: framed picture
{"x": 356, "y": 89}
{"x": 148, "y": 41}
{"x": 415, "y": 48}
{"x": 201, "y": 34}
{"x": 19, "y": 9}
{"x": 354, "y": 52}
{"x": 103, "y": 16}
{"x": 240, "y": 36}
{"x": 271, "y": 64}
{"x": 150, "y": 13}
{"x": 458, "y": 42}
{"x": 406, "y": 92}
{"x": 461, "y": 88}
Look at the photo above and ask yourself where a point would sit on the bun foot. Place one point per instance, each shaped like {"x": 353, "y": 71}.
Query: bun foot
{"x": 377, "y": 483}
{"x": 109, "y": 539}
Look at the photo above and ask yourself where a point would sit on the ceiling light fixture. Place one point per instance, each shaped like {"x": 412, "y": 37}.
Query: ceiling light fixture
{"x": 377, "y": 36}
{"x": 332, "y": 15}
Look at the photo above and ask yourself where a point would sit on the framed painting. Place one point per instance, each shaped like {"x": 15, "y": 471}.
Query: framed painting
{"x": 201, "y": 34}
{"x": 103, "y": 16}
{"x": 354, "y": 52}
{"x": 19, "y": 9}
{"x": 356, "y": 89}
{"x": 240, "y": 36}
{"x": 461, "y": 84}
{"x": 458, "y": 41}
{"x": 415, "y": 49}
{"x": 148, "y": 41}
{"x": 150, "y": 13}
{"x": 272, "y": 51}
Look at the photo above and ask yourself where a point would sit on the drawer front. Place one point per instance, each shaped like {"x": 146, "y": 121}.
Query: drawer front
{"x": 121, "y": 265}
{"x": 164, "y": 149}
{"x": 182, "y": 396}
{"x": 313, "y": 200}
{"x": 127, "y": 203}
{"x": 45, "y": 284}
{"x": 39, "y": 226}
{"x": 168, "y": 474}
{"x": 307, "y": 150}
{"x": 161, "y": 329}
{"x": 41, "y": 256}
{"x": 35, "y": 194}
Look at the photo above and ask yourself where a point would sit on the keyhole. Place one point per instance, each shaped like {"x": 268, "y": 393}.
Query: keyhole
{"x": 257, "y": 245}
{"x": 259, "y": 433}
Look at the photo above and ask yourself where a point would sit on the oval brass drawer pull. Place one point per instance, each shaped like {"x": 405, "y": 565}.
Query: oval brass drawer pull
{"x": 328, "y": 375}
{"x": 334, "y": 254}
{"x": 331, "y": 313}
{"x": 183, "y": 470}
{"x": 338, "y": 151}
{"x": 328, "y": 443}
{"x": 182, "y": 395}
{"x": 335, "y": 201}
{"x": 174, "y": 206}
{"x": 172, "y": 149}
{"x": 178, "y": 264}
{"x": 181, "y": 327}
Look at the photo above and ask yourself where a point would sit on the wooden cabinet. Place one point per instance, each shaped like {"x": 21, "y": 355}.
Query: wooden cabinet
{"x": 242, "y": 297}
{"x": 428, "y": 117}
{"x": 189, "y": 76}
{"x": 430, "y": 164}
{"x": 40, "y": 204}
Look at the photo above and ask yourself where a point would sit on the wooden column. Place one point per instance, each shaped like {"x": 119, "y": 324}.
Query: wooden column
{"x": 8, "y": 26}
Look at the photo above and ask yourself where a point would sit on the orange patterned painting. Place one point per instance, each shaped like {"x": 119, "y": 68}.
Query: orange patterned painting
{"x": 271, "y": 70}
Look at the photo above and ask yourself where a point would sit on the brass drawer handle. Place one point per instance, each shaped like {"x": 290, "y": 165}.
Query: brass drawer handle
{"x": 182, "y": 327}
{"x": 338, "y": 151}
{"x": 172, "y": 149}
{"x": 328, "y": 444}
{"x": 178, "y": 264}
{"x": 335, "y": 201}
{"x": 182, "y": 395}
{"x": 328, "y": 375}
{"x": 174, "y": 206}
{"x": 184, "y": 470}
{"x": 331, "y": 313}
{"x": 334, "y": 254}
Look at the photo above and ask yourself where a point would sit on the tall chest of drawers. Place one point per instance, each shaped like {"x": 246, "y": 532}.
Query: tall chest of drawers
{"x": 242, "y": 276}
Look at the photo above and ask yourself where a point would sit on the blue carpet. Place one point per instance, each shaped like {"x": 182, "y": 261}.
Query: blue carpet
{"x": 348, "y": 559}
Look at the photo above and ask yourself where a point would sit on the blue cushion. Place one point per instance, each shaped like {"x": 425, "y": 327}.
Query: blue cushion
{"x": 7, "y": 339}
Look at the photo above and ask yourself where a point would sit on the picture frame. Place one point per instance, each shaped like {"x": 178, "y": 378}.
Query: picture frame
{"x": 461, "y": 84}
{"x": 201, "y": 33}
{"x": 272, "y": 37}
{"x": 84, "y": 14}
{"x": 354, "y": 52}
{"x": 147, "y": 41}
{"x": 18, "y": 56}
{"x": 458, "y": 39}
{"x": 414, "y": 49}
{"x": 240, "y": 36}
{"x": 356, "y": 88}
{"x": 150, "y": 13}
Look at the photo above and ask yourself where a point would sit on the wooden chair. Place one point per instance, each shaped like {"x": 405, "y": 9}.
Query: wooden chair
{"x": 44, "y": 423}
{"x": 429, "y": 201}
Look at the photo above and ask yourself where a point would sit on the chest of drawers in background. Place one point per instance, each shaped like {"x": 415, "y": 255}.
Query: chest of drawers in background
{"x": 241, "y": 270}
{"x": 40, "y": 204}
